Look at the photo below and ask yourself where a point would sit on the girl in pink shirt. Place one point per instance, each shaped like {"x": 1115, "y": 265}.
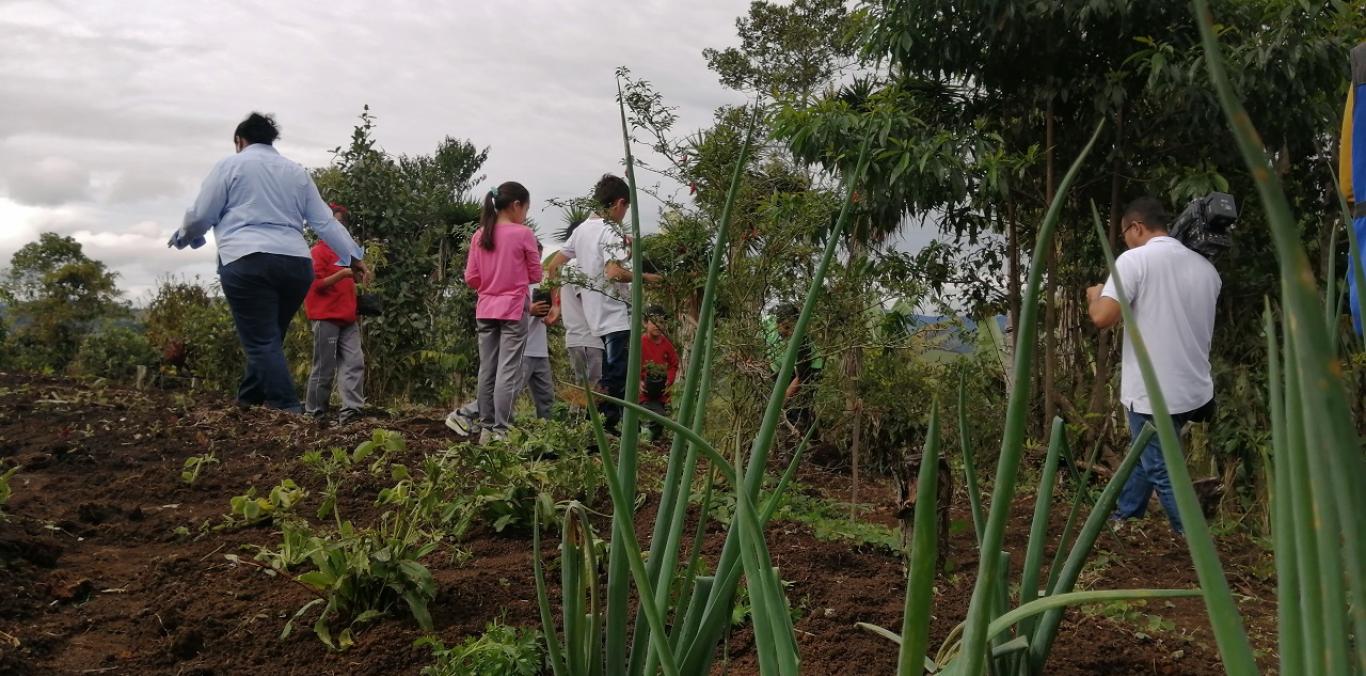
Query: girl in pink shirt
{"x": 503, "y": 262}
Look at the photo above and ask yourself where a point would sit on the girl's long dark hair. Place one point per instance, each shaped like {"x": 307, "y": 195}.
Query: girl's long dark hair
{"x": 495, "y": 201}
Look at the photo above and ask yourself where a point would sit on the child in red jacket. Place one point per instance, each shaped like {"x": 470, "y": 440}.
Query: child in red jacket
{"x": 331, "y": 306}
{"x": 658, "y": 368}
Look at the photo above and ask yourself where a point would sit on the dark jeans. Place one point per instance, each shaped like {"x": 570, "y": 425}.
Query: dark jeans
{"x": 613, "y": 381}
{"x": 656, "y": 429}
{"x": 264, "y": 291}
{"x": 1151, "y": 472}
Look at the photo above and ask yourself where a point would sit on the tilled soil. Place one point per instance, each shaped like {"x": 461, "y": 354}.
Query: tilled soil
{"x": 95, "y": 578}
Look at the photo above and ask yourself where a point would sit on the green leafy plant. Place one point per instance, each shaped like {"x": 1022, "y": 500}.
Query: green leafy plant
{"x": 298, "y": 544}
{"x": 360, "y": 574}
{"x": 249, "y": 508}
{"x": 378, "y": 449}
{"x": 500, "y": 651}
{"x": 194, "y": 466}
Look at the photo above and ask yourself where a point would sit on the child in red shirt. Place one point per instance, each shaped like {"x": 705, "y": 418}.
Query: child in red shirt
{"x": 331, "y": 306}
{"x": 658, "y": 368}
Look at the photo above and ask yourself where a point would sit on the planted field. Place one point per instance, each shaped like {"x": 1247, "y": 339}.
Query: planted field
{"x": 114, "y": 563}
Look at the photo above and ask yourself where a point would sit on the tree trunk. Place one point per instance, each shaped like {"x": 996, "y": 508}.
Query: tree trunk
{"x": 853, "y": 368}
{"x": 1012, "y": 284}
{"x": 1013, "y": 297}
{"x": 1104, "y": 352}
{"x": 1050, "y": 343}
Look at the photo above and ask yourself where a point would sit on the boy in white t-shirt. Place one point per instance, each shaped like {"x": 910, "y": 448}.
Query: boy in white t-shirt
{"x": 603, "y": 255}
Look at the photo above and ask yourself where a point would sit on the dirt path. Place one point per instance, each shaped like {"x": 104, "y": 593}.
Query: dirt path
{"x": 96, "y": 578}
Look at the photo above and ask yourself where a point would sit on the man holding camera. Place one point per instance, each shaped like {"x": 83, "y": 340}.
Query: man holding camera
{"x": 1172, "y": 291}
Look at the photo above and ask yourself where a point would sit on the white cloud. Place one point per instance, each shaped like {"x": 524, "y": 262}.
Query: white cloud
{"x": 115, "y": 109}
{"x": 51, "y": 181}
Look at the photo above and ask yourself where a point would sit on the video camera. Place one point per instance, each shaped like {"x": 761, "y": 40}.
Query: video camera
{"x": 1205, "y": 225}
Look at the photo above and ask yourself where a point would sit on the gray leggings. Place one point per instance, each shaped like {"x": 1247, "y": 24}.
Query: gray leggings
{"x": 336, "y": 348}
{"x": 501, "y": 346}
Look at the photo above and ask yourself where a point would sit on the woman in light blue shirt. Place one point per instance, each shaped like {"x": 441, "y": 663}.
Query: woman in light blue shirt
{"x": 257, "y": 203}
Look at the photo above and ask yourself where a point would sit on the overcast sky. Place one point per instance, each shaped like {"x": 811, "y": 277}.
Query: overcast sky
{"x": 113, "y": 111}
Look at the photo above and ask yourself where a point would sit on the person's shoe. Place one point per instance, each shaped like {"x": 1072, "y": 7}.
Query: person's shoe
{"x": 348, "y": 416}
{"x": 459, "y": 423}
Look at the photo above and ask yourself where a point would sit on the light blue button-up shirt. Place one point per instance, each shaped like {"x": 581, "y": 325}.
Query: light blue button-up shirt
{"x": 257, "y": 201}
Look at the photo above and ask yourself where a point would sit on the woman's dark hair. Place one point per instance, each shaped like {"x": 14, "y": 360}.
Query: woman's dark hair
{"x": 610, "y": 189}
{"x": 258, "y": 128}
{"x": 495, "y": 201}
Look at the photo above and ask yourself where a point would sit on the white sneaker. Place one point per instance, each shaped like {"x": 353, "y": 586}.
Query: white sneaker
{"x": 459, "y": 423}
{"x": 489, "y": 436}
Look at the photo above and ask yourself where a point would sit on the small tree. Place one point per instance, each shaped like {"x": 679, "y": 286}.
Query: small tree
{"x": 56, "y": 295}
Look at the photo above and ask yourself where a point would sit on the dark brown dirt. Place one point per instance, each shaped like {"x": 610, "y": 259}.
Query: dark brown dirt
{"x": 95, "y": 579}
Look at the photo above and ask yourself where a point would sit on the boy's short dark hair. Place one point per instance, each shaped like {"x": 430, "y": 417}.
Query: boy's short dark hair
{"x": 656, "y": 312}
{"x": 787, "y": 312}
{"x": 609, "y": 189}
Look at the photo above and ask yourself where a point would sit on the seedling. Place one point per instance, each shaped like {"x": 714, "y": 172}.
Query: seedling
{"x": 248, "y": 508}
{"x": 194, "y": 466}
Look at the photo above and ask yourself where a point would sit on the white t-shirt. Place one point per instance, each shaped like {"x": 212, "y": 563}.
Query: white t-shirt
{"x": 593, "y": 244}
{"x": 576, "y": 332}
{"x": 1173, "y": 292}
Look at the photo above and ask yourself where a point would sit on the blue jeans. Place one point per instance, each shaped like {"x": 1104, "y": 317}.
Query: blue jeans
{"x": 613, "y": 381}
{"x": 1151, "y": 472}
{"x": 264, "y": 291}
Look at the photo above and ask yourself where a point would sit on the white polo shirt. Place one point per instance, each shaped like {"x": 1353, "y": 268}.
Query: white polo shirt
{"x": 1173, "y": 292}
{"x": 593, "y": 244}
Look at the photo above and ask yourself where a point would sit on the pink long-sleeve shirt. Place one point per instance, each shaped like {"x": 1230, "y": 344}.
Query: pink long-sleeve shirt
{"x": 501, "y": 276}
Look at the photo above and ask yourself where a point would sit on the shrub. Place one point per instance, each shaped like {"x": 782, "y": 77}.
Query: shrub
{"x": 194, "y": 332}
{"x": 114, "y": 351}
{"x": 500, "y": 651}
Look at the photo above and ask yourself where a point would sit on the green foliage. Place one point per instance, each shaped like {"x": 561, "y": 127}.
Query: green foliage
{"x": 55, "y": 295}
{"x": 500, "y": 651}
{"x": 832, "y": 522}
{"x": 792, "y": 48}
{"x": 298, "y": 545}
{"x": 414, "y": 216}
{"x": 114, "y": 351}
{"x": 516, "y": 482}
{"x": 361, "y": 573}
{"x": 249, "y": 508}
{"x": 192, "y": 328}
